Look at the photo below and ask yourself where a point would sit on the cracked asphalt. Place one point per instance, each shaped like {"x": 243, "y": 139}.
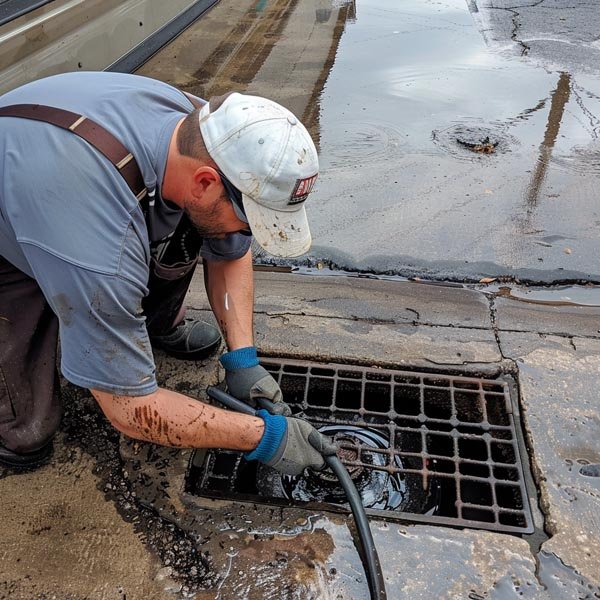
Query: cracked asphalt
{"x": 552, "y": 351}
{"x": 543, "y": 30}
{"x": 399, "y": 193}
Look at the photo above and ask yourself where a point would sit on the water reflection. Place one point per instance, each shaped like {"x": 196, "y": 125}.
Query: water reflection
{"x": 560, "y": 98}
{"x": 372, "y": 79}
{"x": 283, "y": 49}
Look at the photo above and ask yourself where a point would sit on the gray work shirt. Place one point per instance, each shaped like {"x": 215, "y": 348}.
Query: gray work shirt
{"x": 69, "y": 220}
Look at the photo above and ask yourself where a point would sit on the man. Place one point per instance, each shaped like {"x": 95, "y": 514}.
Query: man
{"x": 82, "y": 255}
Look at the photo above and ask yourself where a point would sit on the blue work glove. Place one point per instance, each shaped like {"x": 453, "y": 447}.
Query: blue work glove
{"x": 246, "y": 380}
{"x": 290, "y": 445}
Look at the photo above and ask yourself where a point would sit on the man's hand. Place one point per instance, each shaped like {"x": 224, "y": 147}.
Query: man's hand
{"x": 254, "y": 383}
{"x": 246, "y": 380}
{"x": 290, "y": 445}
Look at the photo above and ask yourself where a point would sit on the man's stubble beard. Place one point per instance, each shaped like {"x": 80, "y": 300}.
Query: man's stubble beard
{"x": 206, "y": 220}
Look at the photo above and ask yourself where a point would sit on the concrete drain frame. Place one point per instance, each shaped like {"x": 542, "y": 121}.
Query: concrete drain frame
{"x": 453, "y": 453}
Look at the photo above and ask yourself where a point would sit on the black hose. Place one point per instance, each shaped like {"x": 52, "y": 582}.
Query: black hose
{"x": 367, "y": 549}
{"x": 366, "y": 545}
{"x": 229, "y": 401}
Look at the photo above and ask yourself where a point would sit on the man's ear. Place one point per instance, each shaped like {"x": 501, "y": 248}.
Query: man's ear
{"x": 206, "y": 182}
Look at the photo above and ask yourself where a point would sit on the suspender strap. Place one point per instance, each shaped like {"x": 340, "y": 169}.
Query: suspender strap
{"x": 93, "y": 133}
{"x": 195, "y": 102}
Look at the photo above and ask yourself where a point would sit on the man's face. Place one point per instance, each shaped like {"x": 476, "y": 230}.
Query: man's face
{"x": 215, "y": 219}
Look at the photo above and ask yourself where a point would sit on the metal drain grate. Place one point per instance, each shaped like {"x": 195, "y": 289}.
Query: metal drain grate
{"x": 424, "y": 447}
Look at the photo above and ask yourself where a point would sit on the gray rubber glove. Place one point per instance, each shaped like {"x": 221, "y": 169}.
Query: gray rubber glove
{"x": 252, "y": 384}
{"x": 290, "y": 445}
{"x": 302, "y": 446}
{"x": 246, "y": 380}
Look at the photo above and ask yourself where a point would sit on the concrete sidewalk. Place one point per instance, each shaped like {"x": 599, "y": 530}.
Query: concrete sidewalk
{"x": 120, "y": 524}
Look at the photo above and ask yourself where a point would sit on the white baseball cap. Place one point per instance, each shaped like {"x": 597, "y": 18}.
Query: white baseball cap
{"x": 269, "y": 156}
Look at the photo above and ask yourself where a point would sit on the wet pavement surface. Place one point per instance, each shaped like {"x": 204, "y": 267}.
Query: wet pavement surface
{"x": 457, "y": 139}
{"x": 82, "y": 528}
{"x": 114, "y": 518}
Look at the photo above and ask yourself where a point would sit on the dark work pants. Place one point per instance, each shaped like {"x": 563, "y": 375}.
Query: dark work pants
{"x": 30, "y": 406}
{"x": 29, "y": 400}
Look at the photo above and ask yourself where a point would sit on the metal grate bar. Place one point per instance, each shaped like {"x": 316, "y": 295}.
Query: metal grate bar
{"x": 449, "y": 441}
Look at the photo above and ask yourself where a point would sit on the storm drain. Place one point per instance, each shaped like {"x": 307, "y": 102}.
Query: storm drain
{"x": 423, "y": 447}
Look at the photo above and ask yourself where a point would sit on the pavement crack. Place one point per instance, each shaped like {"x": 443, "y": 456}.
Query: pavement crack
{"x": 418, "y": 323}
{"x": 518, "y": 6}
{"x": 593, "y": 120}
{"x": 514, "y": 10}
{"x": 560, "y": 334}
{"x": 496, "y": 330}
{"x": 513, "y": 36}
{"x": 493, "y": 320}
{"x": 412, "y": 310}
{"x": 372, "y": 320}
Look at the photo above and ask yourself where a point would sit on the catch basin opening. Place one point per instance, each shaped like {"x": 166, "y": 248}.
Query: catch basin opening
{"x": 423, "y": 447}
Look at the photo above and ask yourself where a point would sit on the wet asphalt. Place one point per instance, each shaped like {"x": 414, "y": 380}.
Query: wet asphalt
{"x": 458, "y": 140}
{"x": 115, "y": 518}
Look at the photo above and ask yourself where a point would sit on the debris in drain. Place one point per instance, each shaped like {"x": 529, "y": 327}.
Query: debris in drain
{"x": 485, "y": 146}
{"x": 423, "y": 447}
{"x": 465, "y": 141}
{"x": 384, "y": 489}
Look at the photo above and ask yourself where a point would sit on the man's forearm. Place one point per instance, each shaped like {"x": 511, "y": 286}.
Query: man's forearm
{"x": 230, "y": 288}
{"x": 172, "y": 419}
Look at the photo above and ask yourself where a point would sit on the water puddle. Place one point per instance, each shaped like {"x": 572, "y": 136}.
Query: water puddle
{"x": 562, "y": 581}
{"x": 582, "y": 159}
{"x": 557, "y": 580}
{"x": 374, "y": 142}
{"x": 590, "y": 470}
{"x": 463, "y": 140}
{"x": 574, "y": 295}
{"x": 440, "y": 152}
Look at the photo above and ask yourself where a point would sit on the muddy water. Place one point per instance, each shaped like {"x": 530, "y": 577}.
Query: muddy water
{"x": 573, "y": 295}
{"x": 562, "y": 581}
{"x": 401, "y": 98}
{"x": 378, "y": 489}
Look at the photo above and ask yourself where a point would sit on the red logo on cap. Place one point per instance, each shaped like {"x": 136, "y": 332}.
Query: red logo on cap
{"x": 302, "y": 189}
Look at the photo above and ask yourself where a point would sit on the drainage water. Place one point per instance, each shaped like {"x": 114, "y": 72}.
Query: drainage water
{"x": 380, "y": 487}
{"x": 462, "y": 140}
{"x": 418, "y": 446}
